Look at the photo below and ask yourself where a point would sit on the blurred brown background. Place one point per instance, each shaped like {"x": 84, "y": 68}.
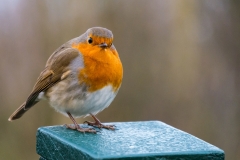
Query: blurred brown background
{"x": 181, "y": 65}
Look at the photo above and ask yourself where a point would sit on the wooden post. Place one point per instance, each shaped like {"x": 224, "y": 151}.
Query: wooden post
{"x": 132, "y": 140}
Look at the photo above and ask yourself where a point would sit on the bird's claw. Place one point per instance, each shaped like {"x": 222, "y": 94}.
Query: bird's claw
{"x": 100, "y": 125}
{"x": 78, "y": 128}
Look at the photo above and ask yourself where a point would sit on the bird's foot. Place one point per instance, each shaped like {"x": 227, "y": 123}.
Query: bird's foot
{"x": 98, "y": 124}
{"x": 78, "y": 128}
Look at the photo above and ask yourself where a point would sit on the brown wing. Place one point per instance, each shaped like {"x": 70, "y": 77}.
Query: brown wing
{"x": 52, "y": 74}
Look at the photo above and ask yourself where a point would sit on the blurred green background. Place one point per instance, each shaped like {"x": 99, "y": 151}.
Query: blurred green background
{"x": 181, "y": 65}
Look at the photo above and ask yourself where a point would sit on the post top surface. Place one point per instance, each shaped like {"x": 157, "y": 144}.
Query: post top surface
{"x": 131, "y": 139}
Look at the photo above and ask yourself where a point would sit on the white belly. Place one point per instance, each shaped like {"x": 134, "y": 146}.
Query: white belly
{"x": 82, "y": 105}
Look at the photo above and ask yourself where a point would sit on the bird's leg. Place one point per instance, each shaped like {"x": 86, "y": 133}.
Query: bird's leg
{"x": 98, "y": 124}
{"x": 77, "y": 127}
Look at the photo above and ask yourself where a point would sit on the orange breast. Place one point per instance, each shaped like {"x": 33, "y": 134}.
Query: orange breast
{"x": 102, "y": 67}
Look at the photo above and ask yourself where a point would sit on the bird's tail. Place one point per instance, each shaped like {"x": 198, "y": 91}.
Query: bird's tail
{"x": 18, "y": 113}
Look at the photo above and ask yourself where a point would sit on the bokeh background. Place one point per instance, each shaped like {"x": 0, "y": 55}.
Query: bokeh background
{"x": 181, "y": 65}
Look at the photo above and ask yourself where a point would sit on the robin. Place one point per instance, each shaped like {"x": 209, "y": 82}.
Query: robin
{"x": 81, "y": 78}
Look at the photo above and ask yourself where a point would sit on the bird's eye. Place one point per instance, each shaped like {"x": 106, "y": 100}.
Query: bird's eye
{"x": 90, "y": 40}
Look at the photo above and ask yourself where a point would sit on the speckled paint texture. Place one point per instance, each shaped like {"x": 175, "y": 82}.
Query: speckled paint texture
{"x": 148, "y": 140}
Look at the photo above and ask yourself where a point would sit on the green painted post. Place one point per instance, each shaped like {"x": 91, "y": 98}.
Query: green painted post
{"x": 132, "y": 140}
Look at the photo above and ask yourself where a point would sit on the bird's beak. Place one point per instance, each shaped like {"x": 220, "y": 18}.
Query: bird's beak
{"x": 103, "y": 45}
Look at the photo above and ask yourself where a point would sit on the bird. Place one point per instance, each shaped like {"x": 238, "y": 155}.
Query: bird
{"x": 81, "y": 78}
